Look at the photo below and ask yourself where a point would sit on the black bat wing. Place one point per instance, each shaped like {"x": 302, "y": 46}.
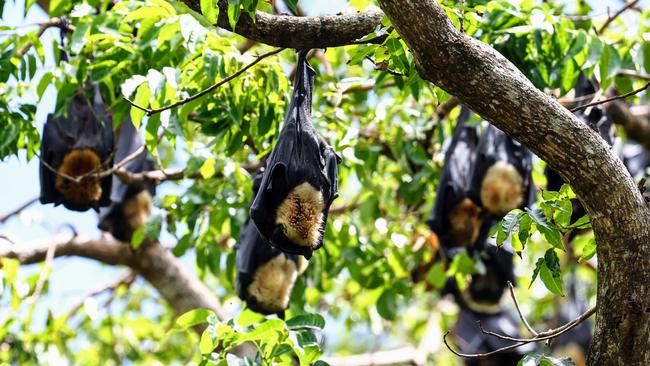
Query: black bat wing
{"x": 54, "y": 145}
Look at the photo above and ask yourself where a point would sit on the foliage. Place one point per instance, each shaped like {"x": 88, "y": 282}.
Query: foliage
{"x": 373, "y": 108}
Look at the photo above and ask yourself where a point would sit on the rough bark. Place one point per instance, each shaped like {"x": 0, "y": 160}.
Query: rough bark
{"x": 494, "y": 88}
{"x": 166, "y": 273}
{"x": 298, "y": 32}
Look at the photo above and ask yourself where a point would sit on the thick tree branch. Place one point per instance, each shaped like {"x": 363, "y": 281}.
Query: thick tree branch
{"x": 182, "y": 290}
{"x": 495, "y": 89}
{"x": 298, "y": 32}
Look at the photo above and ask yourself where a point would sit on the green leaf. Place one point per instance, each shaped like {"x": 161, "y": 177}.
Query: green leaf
{"x": 234, "y": 11}
{"x": 306, "y": 321}
{"x": 210, "y": 10}
{"x": 142, "y": 95}
{"x": 589, "y": 250}
{"x": 387, "y": 304}
{"x": 192, "y": 318}
{"x": 137, "y": 238}
{"x": 208, "y": 168}
{"x": 206, "y": 344}
{"x": 646, "y": 56}
{"x": 550, "y": 273}
{"x": 265, "y": 331}
{"x": 437, "y": 276}
{"x": 508, "y": 226}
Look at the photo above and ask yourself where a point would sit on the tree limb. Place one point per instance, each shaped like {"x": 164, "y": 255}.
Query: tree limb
{"x": 636, "y": 127}
{"x": 395, "y": 357}
{"x": 18, "y": 210}
{"x": 298, "y": 32}
{"x": 495, "y": 89}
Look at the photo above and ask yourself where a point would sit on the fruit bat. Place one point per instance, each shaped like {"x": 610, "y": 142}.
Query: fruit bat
{"x": 265, "y": 274}
{"x": 455, "y": 218}
{"x": 130, "y": 203}
{"x": 502, "y": 176}
{"x": 76, "y": 144}
{"x": 301, "y": 179}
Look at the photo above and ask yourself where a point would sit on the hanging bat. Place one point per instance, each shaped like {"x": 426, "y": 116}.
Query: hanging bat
{"x": 130, "y": 203}
{"x": 301, "y": 179}
{"x": 481, "y": 301}
{"x": 265, "y": 274}
{"x": 74, "y": 145}
{"x": 502, "y": 176}
{"x": 455, "y": 218}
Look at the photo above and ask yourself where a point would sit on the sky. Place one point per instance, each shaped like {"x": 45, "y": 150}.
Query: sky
{"x": 74, "y": 277}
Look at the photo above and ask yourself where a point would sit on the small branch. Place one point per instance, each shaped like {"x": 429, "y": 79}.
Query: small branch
{"x": 611, "y": 18}
{"x": 384, "y": 67}
{"x": 43, "y": 276}
{"x": 15, "y": 212}
{"x": 634, "y": 74}
{"x": 121, "y": 164}
{"x": 127, "y": 280}
{"x": 162, "y": 175}
{"x": 521, "y": 315}
{"x": 150, "y": 112}
{"x": 53, "y": 22}
{"x": 636, "y": 127}
{"x": 399, "y": 356}
{"x": 553, "y": 333}
{"x": 618, "y": 97}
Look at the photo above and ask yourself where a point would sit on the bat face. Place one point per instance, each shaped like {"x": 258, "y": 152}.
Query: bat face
{"x": 76, "y": 145}
{"x": 465, "y": 222}
{"x": 301, "y": 215}
{"x": 301, "y": 178}
{"x": 272, "y": 284}
{"x": 502, "y": 188}
{"x": 502, "y": 177}
{"x": 76, "y": 163}
{"x": 137, "y": 209}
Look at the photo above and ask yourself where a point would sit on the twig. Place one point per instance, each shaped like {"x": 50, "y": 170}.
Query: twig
{"x": 15, "y": 212}
{"x": 384, "y": 67}
{"x": 45, "y": 273}
{"x": 150, "y": 112}
{"x": 552, "y": 333}
{"x": 127, "y": 280}
{"x": 634, "y": 74}
{"x": 53, "y": 22}
{"x": 611, "y": 18}
{"x": 521, "y": 315}
{"x": 618, "y": 97}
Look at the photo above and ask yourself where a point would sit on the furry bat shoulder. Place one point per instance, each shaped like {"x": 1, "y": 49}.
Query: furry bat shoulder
{"x": 301, "y": 178}
{"x": 76, "y": 144}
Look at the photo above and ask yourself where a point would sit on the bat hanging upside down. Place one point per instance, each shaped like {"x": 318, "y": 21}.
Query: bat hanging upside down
{"x": 75, "y": 145}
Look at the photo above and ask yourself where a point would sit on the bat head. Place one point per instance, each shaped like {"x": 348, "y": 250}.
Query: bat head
{"x": 465, "y": 223}
{"x": 76, "y": 163}
{"x": 502, "y": 188}
{"x": 301, "y": 215}
{"x": 273, "y": 281}
{"x": 136, "y": 210}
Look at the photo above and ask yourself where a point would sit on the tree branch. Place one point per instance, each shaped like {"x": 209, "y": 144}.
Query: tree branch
{"x": 608, "y": 100}
{"x": 636, "y": 127}
{"x": 399, "y": 356}
{"x": 15, "y": 212}
{"x": 221, "y": 82}
{"x": 298, "y": 32}
{"x": 611, "y": 18}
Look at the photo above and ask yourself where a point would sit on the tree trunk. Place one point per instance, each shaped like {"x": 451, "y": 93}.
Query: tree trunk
{"x": 495, "y": 89}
